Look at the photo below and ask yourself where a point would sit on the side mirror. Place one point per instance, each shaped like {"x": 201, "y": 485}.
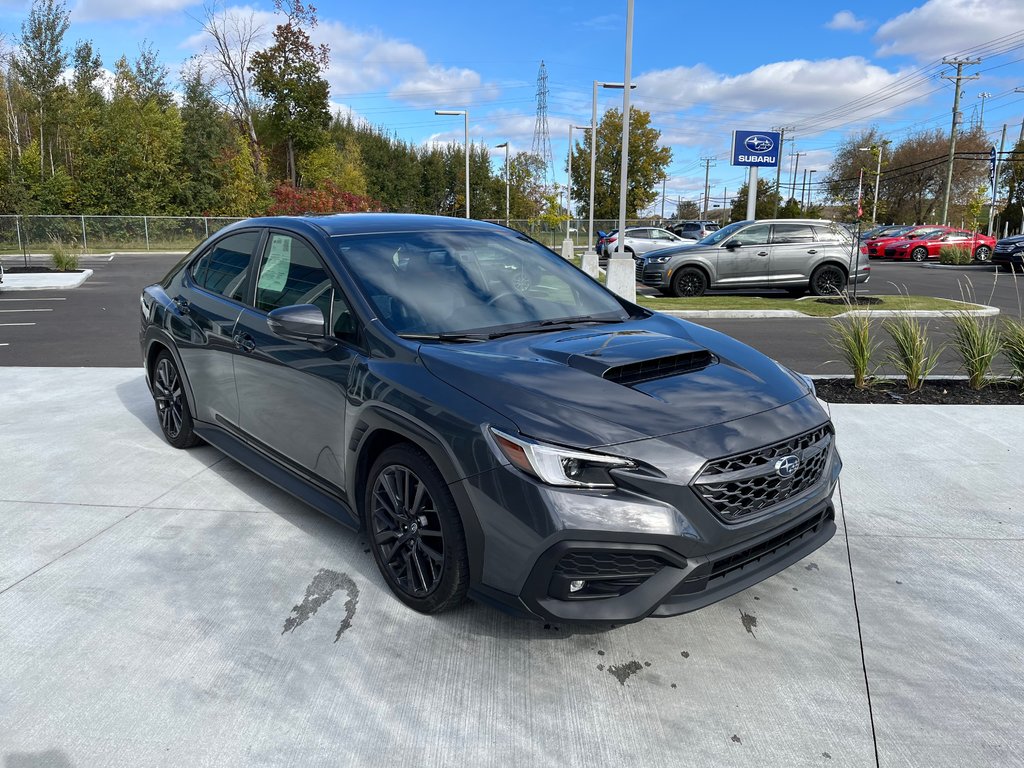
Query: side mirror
{"x": 733, "y": 244}
{"x": 300, "y": 322}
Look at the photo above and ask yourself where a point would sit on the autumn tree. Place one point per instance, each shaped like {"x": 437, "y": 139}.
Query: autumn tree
{"x": 765, "y": 205}
{"x": 646, "y": 170}
{"x": 288, "y": 74}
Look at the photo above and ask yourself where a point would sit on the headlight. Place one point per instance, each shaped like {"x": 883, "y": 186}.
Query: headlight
{"x": 554, "y": 465}
{"x": 658, "y": 259}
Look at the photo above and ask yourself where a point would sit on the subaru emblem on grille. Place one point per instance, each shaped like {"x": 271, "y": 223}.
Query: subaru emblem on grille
{"x": 787, "y": 465}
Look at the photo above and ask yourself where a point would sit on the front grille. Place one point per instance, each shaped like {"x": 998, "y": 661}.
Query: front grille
{"x": 890, "y": 252}
{"x": 639, "y": 269}
{"x": 1004, "y": 248}
{"x": 660, "y": 368}
{"x": 605, "y": 564}
{"x": 738, "y": 486}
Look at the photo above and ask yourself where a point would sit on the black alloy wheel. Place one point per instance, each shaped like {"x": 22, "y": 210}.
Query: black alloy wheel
{"x": 984, "y": 253}
{"x": 171, "y": 405}
{"x": 828, "y": 280}
{"x": 415, "y": 531}
{"x": 919, "y": 254}
{"x": 689, "y": 282}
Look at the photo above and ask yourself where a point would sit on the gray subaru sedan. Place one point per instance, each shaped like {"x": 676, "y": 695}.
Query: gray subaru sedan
{"x": 501, "y": 426}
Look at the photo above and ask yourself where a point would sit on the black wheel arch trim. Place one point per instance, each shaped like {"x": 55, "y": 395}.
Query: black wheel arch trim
{"x": 158, "y": 337}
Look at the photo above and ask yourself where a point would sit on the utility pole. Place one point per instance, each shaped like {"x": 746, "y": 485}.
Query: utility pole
{"x": 778, "y": 172}
{"x": 796, "y": 169}
{"x": 981, "y": 118}
{"x": 663, "y": 182}
{"x": 957, "y": 79}
{"x": 803, "y": 191}
{"x": 707, "y": 175}
{"x": 995, "y": 180}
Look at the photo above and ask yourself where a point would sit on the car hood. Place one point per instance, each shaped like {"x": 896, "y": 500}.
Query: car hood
{"x": 1013, "y": 240}
{"x": 602, "y": 385}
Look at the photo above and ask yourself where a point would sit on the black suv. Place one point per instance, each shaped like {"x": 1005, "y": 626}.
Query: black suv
{"x": 539, "y": 444}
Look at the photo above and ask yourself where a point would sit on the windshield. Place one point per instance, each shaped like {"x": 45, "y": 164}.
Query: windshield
{"x": 716, "y": 237}
{"x": 445, "y": 283}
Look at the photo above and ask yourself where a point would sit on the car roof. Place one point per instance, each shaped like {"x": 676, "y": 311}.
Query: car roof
{"x": 368, "y": 223}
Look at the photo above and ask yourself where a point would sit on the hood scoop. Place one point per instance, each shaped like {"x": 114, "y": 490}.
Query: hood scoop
{"x": 627, "y": 357}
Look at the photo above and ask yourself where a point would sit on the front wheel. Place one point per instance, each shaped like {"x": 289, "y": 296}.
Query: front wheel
{"x": 919, "y": 254}
{"x": 828, "y": 280}
{"x": 171, "y": 405}
{"x": 984, "y": 253}
{"x": 415, "y": 532}
{"x": 689, "y": 282}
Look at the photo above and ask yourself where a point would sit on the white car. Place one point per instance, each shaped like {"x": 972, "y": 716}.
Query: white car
{"x": 640, "y": 240}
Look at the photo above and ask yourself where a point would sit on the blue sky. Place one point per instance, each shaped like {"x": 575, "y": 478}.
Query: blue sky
{"x": 703, "y": 70}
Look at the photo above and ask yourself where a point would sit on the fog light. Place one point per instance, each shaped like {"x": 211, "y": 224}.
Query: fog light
{"x": 576, "y": 586}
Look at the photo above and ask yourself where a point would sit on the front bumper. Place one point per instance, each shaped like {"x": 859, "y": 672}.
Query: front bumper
{"x": 1008, "y": 258}
{"x": 652, "y": 548}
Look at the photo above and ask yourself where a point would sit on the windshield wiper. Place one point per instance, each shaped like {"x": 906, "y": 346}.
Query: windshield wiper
{"x": 457, "y": 337}
{"x": 580, "y": 319}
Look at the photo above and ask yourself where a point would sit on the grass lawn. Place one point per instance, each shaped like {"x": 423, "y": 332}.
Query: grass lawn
{"x": 808, "y": 306}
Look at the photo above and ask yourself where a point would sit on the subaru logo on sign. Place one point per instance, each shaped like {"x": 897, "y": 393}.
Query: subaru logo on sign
{"x": 787, "y": 466}
{"x": 759, "y": 144}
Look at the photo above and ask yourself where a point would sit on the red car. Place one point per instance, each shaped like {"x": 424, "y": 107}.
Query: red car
{"x": 876, "y": 245}
{"x": 928, "y": 246}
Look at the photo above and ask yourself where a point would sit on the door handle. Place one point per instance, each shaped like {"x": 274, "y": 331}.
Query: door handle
{"x": 762, "y": 253}
{"x": 812, "y": 251}
{"x": 244, "y": 342}
{"x": 181, "y": 303}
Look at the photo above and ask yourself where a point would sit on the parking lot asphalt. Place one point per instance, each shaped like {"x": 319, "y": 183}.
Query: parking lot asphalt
{"x": 163, "y": 607}
{"x": 97, "y": 324}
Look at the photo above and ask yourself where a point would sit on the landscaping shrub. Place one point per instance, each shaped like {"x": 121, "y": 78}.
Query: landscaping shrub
{"x": 64, "y": 259}
{"x": 912, "y": 355}
{"x": 1013, "y": 347}
{"x": 955, "y": 254}
{"x": 852, "y": 337}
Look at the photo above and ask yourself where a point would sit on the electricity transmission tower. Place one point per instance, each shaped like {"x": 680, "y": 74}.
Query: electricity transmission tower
{"x": 541, "y": 136}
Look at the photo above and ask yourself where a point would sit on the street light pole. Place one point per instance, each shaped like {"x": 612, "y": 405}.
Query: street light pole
{"x": 810, "y": 185}
{"x": 505, "y": 147}
{"x": 880, "y": 148}
{"x": 621, "y": 273}
{"x": 465, "y": 115}
{"x": 590, "y": 265}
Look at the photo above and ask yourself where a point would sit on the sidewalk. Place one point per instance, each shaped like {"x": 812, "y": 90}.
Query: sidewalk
{"x": 160, "y": 607}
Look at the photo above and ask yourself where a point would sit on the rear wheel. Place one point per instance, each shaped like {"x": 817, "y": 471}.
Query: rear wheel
{"x": 983, "y": 253}
{"x": 828, "y": 280}
{"x": 171, "y": 404}
{"x": 415, "y": 531}
{"x": 919, "y": 254}
{"x": 689, "y": 282}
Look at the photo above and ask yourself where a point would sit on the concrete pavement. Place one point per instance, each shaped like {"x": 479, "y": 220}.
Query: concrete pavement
{"x": 161, "y": 607}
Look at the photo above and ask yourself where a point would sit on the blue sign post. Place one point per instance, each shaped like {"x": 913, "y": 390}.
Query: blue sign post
{"x": 755, "y": 149}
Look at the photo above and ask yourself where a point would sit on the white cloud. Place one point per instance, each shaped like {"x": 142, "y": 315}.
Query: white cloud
{"x": 845, "y": 20}
{"x": 101, "y": 10}
{"x": 946, "y": 27}
{"x": 436, "y": 86}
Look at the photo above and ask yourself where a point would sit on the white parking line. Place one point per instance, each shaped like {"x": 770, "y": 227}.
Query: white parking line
{"x": 26, "y": 310}
{"x": 6, "y": 325}
{"x": 49, "y": 298}
{"x": 5, "y": 344}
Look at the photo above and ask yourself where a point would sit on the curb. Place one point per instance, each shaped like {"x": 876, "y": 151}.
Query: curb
{"x": 968, "y": 267}
{"x": 982, "y": 310}
{"x": 60, "y": 281}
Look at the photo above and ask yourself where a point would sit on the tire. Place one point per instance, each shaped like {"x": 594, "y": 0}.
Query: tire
{"x": 689, "y": 282}
{"x": 420, "y": 550}
{"x": 919, "y": 254}
{"x": 171, "y": 404}
{"x": 828, "y": 280}
{"x": 983, "y": 253}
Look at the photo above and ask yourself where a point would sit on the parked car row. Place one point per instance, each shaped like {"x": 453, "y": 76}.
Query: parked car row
{"x": 921, "y": 242}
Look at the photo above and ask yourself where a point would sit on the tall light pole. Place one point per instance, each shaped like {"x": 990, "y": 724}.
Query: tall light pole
{"x": 810, "y": 185}
{"x": 621, "y": 272}
{"x": 505, "y": 147}
{"x": 568, "y": 185}
{"x": 465, "y": 115}
{"x": 983, "y": 95}
{"x": 590, "y": 257}
{"x": 880, "y": 148}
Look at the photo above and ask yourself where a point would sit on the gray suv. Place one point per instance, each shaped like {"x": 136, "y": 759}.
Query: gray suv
{"x": 795, "y": 254}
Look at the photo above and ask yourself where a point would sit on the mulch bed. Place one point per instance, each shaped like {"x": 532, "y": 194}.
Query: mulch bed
{"x": 861, "y": 301}
{"x": 934, "y": 392}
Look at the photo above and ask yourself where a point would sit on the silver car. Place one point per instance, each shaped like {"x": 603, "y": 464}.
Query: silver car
{"x": 640, "y": 240}
{"x": 795, "y": 254}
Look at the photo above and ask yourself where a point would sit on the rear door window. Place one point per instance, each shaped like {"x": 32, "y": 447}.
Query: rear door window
{"x": 793, "y": 233}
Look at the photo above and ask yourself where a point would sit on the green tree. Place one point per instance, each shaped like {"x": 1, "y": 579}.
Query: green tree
{"x": 341, "y": 166}
{"x": 763, "y": 208}
{"x": 687, "y": 209}
{"x": 244, "y": 191}
{"x": 42, "y": 57}
{"x": 1012, "y": 178}
{"x": 206, "y": 135}
{"x": 646, "y": 170}
{"x": 288, "y": 73}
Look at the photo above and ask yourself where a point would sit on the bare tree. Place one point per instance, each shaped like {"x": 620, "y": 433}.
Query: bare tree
{"x": 235, "y": 35}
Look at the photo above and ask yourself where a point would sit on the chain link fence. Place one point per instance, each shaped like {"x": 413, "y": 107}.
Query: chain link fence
{"x": 33, "y": 238}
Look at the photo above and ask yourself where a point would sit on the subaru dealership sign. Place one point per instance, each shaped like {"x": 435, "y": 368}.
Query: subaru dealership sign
{"x": 759, "y": 149}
